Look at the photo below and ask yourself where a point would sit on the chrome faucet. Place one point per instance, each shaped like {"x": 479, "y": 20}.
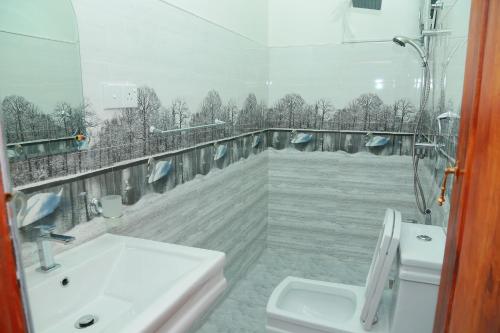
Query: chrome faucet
{"x": 45, "y": 252}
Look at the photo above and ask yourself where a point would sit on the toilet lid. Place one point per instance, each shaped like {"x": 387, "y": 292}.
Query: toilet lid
{"x": 383, "y": 257}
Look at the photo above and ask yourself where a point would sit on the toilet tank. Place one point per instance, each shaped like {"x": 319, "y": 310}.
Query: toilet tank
{"x": 415, "y": 290}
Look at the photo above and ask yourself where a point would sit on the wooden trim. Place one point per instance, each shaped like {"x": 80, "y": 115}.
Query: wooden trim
{"x": 11, "y": 306}
{"x": 469, "y": 296}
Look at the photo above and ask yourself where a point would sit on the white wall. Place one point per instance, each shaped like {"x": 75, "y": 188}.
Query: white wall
{"x": 305, "y": 22}
{"x": 246, "y": 17}
{"x": 343, "y": 72}
{"x": 456, "y": 18}
{"x": 149, "y": 42}
{"x": 40, "y": 57}
{"x": 319, "y": 49}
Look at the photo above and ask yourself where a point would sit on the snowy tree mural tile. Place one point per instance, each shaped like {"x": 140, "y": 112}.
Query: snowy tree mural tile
{"x": 128, "y": 135}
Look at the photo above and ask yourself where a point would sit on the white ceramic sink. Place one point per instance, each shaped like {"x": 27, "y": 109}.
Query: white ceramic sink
{"x": 129, "y": 284}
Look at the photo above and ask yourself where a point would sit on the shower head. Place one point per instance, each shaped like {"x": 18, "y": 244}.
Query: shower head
{"x": 402, "y": 41}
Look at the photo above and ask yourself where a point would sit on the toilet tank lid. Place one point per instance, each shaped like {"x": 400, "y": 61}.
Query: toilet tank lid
{"x": 421, "y": 252}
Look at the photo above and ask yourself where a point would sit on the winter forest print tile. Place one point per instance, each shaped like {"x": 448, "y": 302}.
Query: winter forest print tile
{"x": 36, "y": 156}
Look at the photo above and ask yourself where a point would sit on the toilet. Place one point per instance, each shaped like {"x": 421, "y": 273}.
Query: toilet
{"x": 309, "y": 306}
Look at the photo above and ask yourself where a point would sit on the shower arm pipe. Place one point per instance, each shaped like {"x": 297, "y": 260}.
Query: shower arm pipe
{"x": 362, "y": 41}
{"x": 153, "y": 129}
{"x": 426, "y": 20}
{"x": 426, "y": 12}
{"x": 436, "y": 32}
{"x": 438, "y": 148}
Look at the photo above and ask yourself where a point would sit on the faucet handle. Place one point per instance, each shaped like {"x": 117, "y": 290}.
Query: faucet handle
{"x": 45, "y": 229}
{"x": 448, "y": 171}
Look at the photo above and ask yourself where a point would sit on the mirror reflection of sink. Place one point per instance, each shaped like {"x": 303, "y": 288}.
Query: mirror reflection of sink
{"x": 123, "y": 284}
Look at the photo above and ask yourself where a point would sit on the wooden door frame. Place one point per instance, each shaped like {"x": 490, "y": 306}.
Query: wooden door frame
{"x": 469, "y": 295}
{"x": 13, "y": 319}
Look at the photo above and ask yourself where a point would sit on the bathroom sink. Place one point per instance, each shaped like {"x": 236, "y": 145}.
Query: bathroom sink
{"x": 123, "y": 284}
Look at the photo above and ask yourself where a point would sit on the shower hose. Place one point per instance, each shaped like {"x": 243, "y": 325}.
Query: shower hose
{"x": 417, "y": 185}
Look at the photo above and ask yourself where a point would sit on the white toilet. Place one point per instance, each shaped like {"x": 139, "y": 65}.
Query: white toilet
{"x": 308, "y": 306}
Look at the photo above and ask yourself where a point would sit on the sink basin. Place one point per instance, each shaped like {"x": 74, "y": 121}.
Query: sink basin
{"x": 125, "y": 285}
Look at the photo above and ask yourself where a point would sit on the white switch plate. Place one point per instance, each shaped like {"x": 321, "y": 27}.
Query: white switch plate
{"x": 119, "y": 95}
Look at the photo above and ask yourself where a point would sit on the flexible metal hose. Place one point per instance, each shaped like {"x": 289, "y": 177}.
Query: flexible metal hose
{"x": 417, "y": 185}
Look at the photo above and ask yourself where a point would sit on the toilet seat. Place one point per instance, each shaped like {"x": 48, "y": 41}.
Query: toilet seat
{"x": 309, "y": 306}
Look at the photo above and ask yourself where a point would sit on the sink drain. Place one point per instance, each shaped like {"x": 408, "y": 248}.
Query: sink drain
{"x": 86, "y": 321}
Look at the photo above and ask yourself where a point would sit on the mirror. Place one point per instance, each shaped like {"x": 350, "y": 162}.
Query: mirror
{"x": 43, "y": 112}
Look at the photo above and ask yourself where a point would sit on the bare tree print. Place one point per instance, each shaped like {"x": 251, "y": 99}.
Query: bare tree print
{"x": 323, "y": 109}
{"x": 230, "y": 112}
{"x": 211, "y": 107}
{"x": 404, "y": 110}
{"x": 148, "y": 107}
{"x": 294, "y": 105}
{"x": 369, "y": 104}
{"x": 180, "y": 112}
{"x": 15, "y": 109}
